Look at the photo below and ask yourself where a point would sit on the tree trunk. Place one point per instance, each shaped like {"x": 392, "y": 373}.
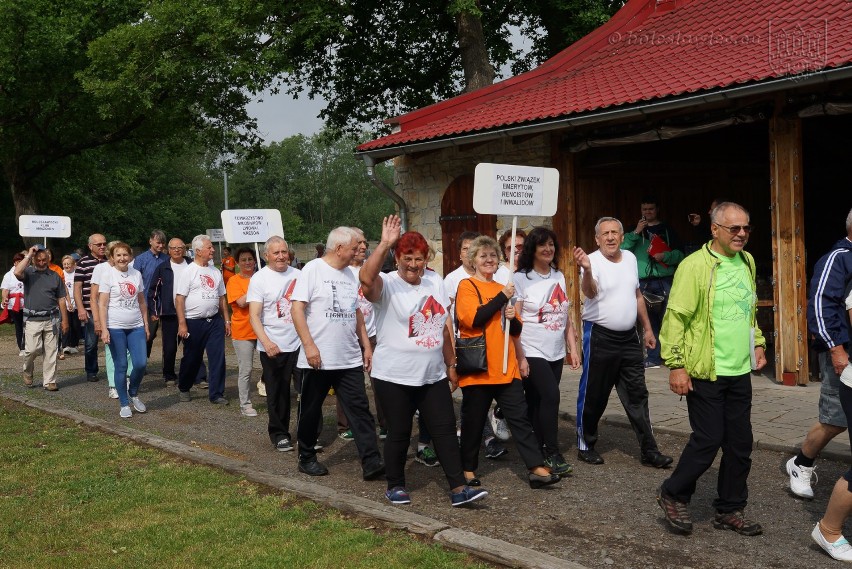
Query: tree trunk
{"x": 24, "y": 199}
{"x": 478, "y": 71}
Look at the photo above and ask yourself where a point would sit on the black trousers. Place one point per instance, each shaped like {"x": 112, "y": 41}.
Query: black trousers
{"x": 476, "y": 401}
{"x": 349, "y": 386}
{"x": 542, "y": 392}
{"x": 720, "y": 417}
{"x": 276, "y": 376}
{"x": 71, "y": 338}
{"x": 153, "y": 326}
{"x": 170, "y": 345}
{"x": 612, "y": 358}
{"x": 436, "y": 411}
{"x": 18, "y": 320}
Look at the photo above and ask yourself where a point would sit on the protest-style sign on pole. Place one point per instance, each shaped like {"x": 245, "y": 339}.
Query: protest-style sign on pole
{"x": 504, "y": 189}
{"x": 217, "y": 236}
{"x": 251, "y": 225}
{"x": 44, "y": 226}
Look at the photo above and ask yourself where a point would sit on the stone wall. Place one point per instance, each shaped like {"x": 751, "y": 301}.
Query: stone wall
{"x": 421, "y": 181}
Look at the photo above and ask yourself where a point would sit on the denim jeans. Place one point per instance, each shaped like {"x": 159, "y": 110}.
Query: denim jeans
{"x": 661, "y": 287}
{"x": 91, "y": 344}
{"x": 121, "y": 341}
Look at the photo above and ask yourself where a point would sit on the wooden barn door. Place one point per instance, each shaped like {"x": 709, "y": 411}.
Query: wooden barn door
{"x": 457, "y": 216}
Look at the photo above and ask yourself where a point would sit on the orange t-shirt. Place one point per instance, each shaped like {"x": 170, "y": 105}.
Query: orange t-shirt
{"x": 466, "y": 304}
{"x": 58, "y": 270}
{"x": 229, "y": 265}
{"x": 240, "y": 325}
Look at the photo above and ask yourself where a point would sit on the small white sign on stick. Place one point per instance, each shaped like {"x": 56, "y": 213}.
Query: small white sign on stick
{"x": 251, "y": 225}
{"x": 504, "y": 189}
{"x": 44, "y": 226}
{"x": 216, "y": 235}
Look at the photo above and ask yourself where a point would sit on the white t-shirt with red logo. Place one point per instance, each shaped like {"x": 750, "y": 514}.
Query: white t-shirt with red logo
{"x": 332, "y": 299}
{"x": 202, "y": 287}
{"x": 273, "y": 290}
{"x": 410, "y": 323}
{"x": 545, "y": 314}
{"x": 365, "y": 306}
{"x": 69, "y": 289}
{"x": 123, "y": 287}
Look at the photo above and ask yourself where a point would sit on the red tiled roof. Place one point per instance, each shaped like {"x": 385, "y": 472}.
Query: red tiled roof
{"x": 650, "y": 49}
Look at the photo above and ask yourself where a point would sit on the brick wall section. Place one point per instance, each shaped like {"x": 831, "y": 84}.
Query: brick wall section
{"x": 421, "y": 182}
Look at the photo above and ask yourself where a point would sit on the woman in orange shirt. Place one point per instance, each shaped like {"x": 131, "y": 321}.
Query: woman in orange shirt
{"x": 245, "y": 341}
{"x": 229, "y": 265}
{"x": 482, "y": 303}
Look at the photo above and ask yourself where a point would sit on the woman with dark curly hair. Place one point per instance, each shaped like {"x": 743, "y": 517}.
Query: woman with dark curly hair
{"x": 548, "y": 330}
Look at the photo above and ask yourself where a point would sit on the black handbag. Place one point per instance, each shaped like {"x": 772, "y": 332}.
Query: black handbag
{"x": 470, "y": 352}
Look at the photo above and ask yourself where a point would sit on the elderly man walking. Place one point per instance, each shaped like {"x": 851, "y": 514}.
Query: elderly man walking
{"x": 161, "y": 304}
{"x": 330, "y": 326}
{"x": 82, "y": 297}
{"x": 146, "y": 263}
{"x": 612, "y": 349}
{"x": 44, "y": 309}
{"x": 202, "y": 314}
{"x": 711, "y": 342}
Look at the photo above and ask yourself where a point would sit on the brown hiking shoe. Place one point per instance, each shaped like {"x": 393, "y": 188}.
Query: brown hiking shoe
{"x": 28, "y": 380}
{"x": 677, "y": 513}
{"x": 737, "y": 522}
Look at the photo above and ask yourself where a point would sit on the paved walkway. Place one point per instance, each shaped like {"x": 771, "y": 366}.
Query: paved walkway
{"x": 781, "y": 415}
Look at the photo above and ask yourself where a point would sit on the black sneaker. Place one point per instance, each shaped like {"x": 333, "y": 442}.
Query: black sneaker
{"x": 557, "y": 465}
{"x": 590, "y": 455}
{"x": 656, "y": 459}
{"x": 284, "y": 445}
{"x": 313, "y": 468}
{"x": 427, "y": 457}
{"x": 677, "y": 513}
{"x": 737, "y": 522}
{"x": 374, "y": 469}
{"x": 92, "y": 377}
{"x": 494, "y": 449}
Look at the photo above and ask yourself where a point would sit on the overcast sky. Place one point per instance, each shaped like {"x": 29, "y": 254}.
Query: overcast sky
{"x": 280, "y": 116}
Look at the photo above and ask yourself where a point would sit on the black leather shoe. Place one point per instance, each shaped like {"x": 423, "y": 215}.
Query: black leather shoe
{"x": 374, "y": 470}
{"x": 590, "y": 455}
{"x": 469, "y": 481}
{"x": 538, "y": 481}
{"x": 657, "y": 460}
{"x": 313, "y": 468}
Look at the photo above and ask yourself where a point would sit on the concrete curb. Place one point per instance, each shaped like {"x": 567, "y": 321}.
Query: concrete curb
{"x": 622, "y": 422}
{"x": 486, "y": 548}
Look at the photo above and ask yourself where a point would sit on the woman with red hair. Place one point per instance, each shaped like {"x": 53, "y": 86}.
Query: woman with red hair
{"x": 414, "y": 363}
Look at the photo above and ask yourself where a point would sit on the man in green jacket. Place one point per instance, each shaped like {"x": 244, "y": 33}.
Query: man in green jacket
{"x": 711, "y": 342}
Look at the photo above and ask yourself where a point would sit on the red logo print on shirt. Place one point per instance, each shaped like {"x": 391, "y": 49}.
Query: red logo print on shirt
{"x": 283, "y": 304}
{"x": 427, "y": 323}
{"x": 555, "y": 311}
{"x": 126, "y": 289}
{"x": 207, "y": 282}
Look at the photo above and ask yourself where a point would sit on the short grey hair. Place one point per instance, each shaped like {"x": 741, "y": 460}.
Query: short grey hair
{"x": 480, "y": 243}
{"x": 158, "y": 235}
{"x": 198, "y": 241}
{"x": 340, "y": 236}
{"x": 849, "y": 223}
{"x": 273, "y": 240}
{"x": 721, "y": 208}
{"x": 606, "y": 219}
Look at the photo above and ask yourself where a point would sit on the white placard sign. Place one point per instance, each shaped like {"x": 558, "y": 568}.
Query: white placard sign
{"x": 251, "y": 225}
{"x": 503, "y": 189}
{"x": 216, "y": 235}
{"x": 44, "y": 226}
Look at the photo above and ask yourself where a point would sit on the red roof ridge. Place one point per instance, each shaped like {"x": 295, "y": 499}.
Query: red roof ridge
{"x": 631, "y": 14}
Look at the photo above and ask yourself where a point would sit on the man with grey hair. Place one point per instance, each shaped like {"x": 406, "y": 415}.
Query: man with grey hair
{"x": 82, "y": 297}
{"x": 202, "y": 314}
{"x": 146, "y": 263}
{"x": 330, "y": 327}
{"x": 612, "y": 349}
{"x": 269, "y": 299}
{"x": 711, "y": 342}
{"x": 828, "y": 323}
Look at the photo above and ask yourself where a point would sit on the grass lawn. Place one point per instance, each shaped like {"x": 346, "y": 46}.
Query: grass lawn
{"x": 73, "y": 497}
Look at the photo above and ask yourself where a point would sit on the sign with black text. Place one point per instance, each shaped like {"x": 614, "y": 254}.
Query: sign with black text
{"x": 251, "y": 225}
{"x": 504, "y": 189}
{"x": 44, "y": 226}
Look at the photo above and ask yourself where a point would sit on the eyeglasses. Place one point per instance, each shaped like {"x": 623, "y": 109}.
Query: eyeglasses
{"x": 99, "y": 244}
{"x": 177, "y": 248}
{"x": 735, "y": 229}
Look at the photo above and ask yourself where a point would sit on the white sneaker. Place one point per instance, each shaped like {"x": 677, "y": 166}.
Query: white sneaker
{"x": 840, "y": 549}
{"x": 125, "y": 412}
{"x": 22, "y": 353}
{"x": 501, "y": 430}
{"x": 800, "y": 479}
{"x": 261, "y": 389}
{"x": 112, "y": 393}
{"x": 138, "y": 405}
{"x": 72, "y": 351}
{"x": 248, "y": 411}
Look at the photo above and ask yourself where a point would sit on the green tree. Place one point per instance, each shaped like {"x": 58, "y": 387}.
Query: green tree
{"x": 79, "y": 75}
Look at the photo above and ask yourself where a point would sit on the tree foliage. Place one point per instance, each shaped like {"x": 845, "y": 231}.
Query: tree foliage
{"x": 316, "y": 184}
{"x": 373, "y": 59}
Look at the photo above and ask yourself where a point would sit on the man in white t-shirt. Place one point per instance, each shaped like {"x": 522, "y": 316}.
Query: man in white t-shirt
{"x": 330, "y": 326}
{"x": 612, "y": 351}
{"x": 268, "y": 297}
{"x": 202, "y": 314}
